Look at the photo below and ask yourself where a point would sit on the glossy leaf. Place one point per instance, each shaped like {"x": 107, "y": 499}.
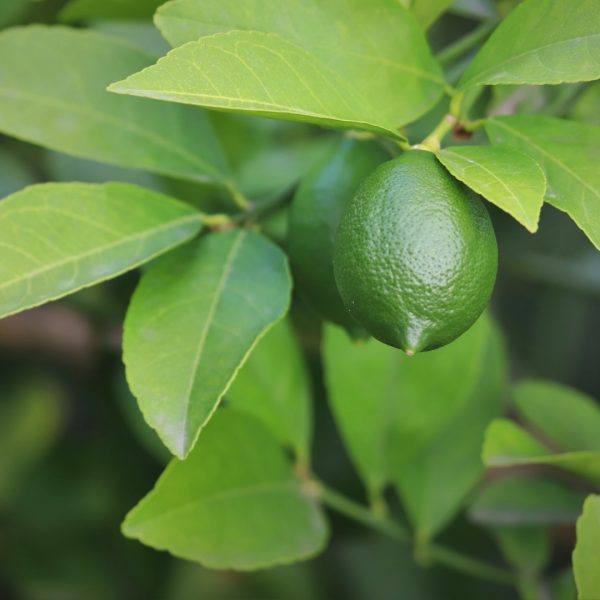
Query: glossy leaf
{"x": 192, "y": 322}
{"x": 586, "y": 556}
{"x": 52, "y": 93}
{"x": 506, "y": 444}
{"x": 88, "y": 10}
{"x": 234, "y": 503}
{"x": 434, "y": 483}
{"x": 274, "y": 386}
{"x": 568, "y": 152}
{"x": 526, "y": 500}
{"x": 511, "y": 180}
{"x": 58, "y": 238}
{"x": 428, "y": 11}
{"x": 565, "y": 415}
{"x": 541, "y": 41}
{"x": 335, "y": 63}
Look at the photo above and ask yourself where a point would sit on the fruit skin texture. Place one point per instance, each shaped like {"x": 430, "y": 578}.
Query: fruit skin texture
{"x": 415, "y": 254}
{"x": 314, "y": 218}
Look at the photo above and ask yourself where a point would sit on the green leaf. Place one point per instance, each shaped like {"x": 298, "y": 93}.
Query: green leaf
{"x": 428, "y": 11}
{"x": 59, "y": 237}
{"x": 434, "y": 483}
{"x": 511, "y": 180}
{"x": 274, "y": 386}
{"x": 390, "y": 407}
{"x": 541, "y": 41}
{"x": 89, "y": 10}
{"x": 478, "y": 9}
{"x": 12, "y": 10}
{"x": 52, "y": 93}
{"x": 234, "y": 503}
{"x": 191, "y": 324}
{"x": 506, "y": 444}
{"x": 338, "y": 63}
{"x": 362, "y": 383}
{"x": 32, "y": 415}
{"x": 586, "y": 556}
{"x": 525, "y": 548}
{"x": 568, "y": 152}
{"x": 527, "y": 500}
{"x": 565, "y": 415}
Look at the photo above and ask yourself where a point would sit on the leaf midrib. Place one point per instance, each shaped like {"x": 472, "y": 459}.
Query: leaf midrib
{"x": 508, "y": 61}
{"x": 191, "y": 159}
{"x": 98, "y": 250}
{"x": 231, "y": 256}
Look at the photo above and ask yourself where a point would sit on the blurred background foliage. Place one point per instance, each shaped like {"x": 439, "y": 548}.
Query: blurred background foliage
{"x": 75, "y": 455}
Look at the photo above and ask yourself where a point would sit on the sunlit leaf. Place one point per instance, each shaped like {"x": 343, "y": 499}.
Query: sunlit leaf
{"x": 193, "y": 320}
{"x": 233, "y": 503}
{"x": 57, "y": 238}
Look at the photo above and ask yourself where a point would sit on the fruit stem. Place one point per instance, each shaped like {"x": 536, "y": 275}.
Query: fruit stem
{"x": 433, "y": 142}
{"x": 237, "y": 196}
{"x": 436, "y": 554}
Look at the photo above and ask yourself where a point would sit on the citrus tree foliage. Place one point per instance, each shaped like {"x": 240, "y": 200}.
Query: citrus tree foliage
{"x": 216, "y": 367}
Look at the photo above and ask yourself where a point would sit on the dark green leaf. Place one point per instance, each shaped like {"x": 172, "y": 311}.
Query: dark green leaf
{"x": 233, "y": 503}
{"x": 336, "y": 63}
{"x": 541, "y": 41}
{"x": 274, "y": 386}
{"x": 57, "y": 238}
{"x": 568, "y": 152}
{"x": 525, "y": 548}
{"x": 52, "y": 93}
{"x": 193, "y": 320}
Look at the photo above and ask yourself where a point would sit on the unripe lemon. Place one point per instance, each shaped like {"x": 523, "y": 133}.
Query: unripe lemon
{"x": 314, "y": 218}
{"x": 415, "y": 254}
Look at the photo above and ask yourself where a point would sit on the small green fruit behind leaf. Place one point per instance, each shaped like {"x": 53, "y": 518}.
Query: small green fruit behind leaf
{"x": 315, "y": 217}
{"x": 415, "y": 255}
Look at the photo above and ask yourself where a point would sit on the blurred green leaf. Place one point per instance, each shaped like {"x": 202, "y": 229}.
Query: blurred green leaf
{"x": 302, "y": 67}
{"x": 434, "y": 483}
{"x": 60, "y": 237}
{"x": 234, "y": 503}
{"x": 525, "y": 500}
{"x": 274, "y": 386}
{"x": 64, "y": 105}
{"x": 14, "y": 174}
{"x": 569, "y": 153}
{"x": 428, "y": 11}
{"x": 390, "y": 407}
{"x": 89, "y": 10}
{"x": 562, "y": 586}
{"x": 586, "y": 556}
{"x": 511, "y": 180}
{"x": 12, "y": 10}
{"x": 540, "y": 42}
{"x": 565, "y": 415}
{"x": 32, "y": 415}
{"x": 585, "y": 108}
{"x": 191, "y": 324}
{"x": 506, "y": 444}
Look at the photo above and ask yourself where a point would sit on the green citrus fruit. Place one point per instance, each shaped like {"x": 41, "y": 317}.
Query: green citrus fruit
{"x": 415, "y": 254}
{"x": 314, "y": 218}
